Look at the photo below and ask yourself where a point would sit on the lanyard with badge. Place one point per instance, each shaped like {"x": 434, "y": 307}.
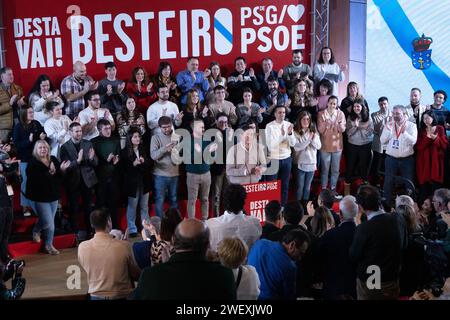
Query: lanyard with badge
{"x": 398, "y": 133}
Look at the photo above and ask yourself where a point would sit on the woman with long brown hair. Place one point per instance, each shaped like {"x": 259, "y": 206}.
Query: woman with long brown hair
{"x": 306, "y": 146}
{"x": 165, "y": 77}
{"x": 129, "y": 117}
{"x": 214, "y": 79}
{"x": 359, "y": 128}
{"x": 190, "y": 109}
{"x": 136, "y": 176}
{"x": 25, "y": 134}
{"x": 302, "y": 100}
{"x": 431, "y": 147}
{"x": 141, "y": 89}
{"x": 353, "y": 94}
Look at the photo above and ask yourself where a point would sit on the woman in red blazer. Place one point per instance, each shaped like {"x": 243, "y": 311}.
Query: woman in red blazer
{"x": 431, "y": 147}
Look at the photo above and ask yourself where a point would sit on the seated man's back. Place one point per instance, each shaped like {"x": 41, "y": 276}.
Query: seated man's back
{"x": 187, "y": 276}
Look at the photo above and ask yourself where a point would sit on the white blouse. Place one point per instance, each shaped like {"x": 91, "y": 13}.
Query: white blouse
{"x": 331, "y": 72}
{"x": 57, "y": 133}
{"x": 249, "y": 286}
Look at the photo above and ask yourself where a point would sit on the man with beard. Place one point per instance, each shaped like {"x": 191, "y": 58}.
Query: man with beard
{"x": 295, "y": 71}
{"x": 163, "y": 107}
{"x": 80, "y": 176}
{"x": 92, "y": 114}
{"x": 416, "y": 106}
{"x": 272, "y": 99}
{"x": 74, "y": 88}
{"x": 11, "y": 99}
{"x": 379, "y": 119}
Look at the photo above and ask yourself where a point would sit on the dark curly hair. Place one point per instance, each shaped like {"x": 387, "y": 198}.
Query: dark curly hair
{"x": 234, "y": 198}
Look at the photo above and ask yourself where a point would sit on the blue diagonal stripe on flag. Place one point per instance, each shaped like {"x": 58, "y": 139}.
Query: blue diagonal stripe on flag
{"x": 404, "y": 32}
{"x": 224, "y": 31}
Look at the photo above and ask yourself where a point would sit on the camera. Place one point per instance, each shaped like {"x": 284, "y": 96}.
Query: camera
{"x": 10, "y": 168}
{"x": 13, "y": 269}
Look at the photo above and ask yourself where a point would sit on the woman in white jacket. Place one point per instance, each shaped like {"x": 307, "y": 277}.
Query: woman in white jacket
{"x": 57, "y": 127}
{"x": 327, "y": 68}
{"x": 306, "y": 146}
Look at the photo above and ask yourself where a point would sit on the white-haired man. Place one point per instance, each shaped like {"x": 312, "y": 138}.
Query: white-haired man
{"x": 400, "y": 136}
{"x": 339, "y": 277}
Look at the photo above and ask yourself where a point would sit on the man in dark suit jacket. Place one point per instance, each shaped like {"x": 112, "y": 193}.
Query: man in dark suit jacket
{"x": 376, "y": 249}
{"x": 338, "y": 272}
{"x": 273, "y": 219}
{"x": 80, "y": 177}
{"x": 187, "y": 275}
{"x": 292, "y": 215}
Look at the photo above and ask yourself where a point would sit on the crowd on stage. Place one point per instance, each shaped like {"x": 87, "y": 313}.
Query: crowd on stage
{"x": 102, "y": 144}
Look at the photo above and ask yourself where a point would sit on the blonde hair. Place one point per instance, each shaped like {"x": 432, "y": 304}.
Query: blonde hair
{"x": 35, "y": 149}
{"x": 232, "y": 252}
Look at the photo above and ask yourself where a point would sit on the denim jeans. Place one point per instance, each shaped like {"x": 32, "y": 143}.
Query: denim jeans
{"x": 304, "y": 180}
{"x": 24, "y": 201}
{"x": 327, "y": 159}
{"x": 284, "y": 173}
{"x": 46, "y": 212}
{"x": 161, "y": 185}
{"x": 392, "y": 166}
{"x": 141, "y": 200}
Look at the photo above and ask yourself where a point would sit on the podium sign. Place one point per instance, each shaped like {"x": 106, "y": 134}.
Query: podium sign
{"x": 258, "y": 195}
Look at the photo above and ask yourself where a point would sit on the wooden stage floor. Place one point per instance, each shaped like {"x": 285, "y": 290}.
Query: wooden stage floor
{"x": 47, "y": 276}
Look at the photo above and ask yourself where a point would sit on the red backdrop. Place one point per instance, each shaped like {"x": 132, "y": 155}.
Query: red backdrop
{"x": 45, "y": 36}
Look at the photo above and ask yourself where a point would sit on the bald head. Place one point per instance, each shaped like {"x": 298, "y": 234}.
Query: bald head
{"x": 79, "y": 70}
{"x": 191, "y": 235}
{"x": 191, "y": 228}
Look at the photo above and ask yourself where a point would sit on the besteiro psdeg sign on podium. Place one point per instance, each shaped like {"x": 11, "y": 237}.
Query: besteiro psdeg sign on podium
{"x": 258, "y": 195}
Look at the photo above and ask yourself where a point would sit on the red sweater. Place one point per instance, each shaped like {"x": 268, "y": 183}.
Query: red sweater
{"x": 430, "y": 156}
{"x": 143, "y": 98}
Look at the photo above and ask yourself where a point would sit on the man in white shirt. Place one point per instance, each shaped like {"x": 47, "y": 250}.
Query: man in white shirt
{"x": 279, "y": 140}
{"x": 234, "y": 222}
{"x": 400, "y": 136}
{"x": 163, "y": 107}
{"x": 91, "y": 114}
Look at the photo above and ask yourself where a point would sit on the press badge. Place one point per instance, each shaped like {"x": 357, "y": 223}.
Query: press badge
{"x": 396, "y": 144}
